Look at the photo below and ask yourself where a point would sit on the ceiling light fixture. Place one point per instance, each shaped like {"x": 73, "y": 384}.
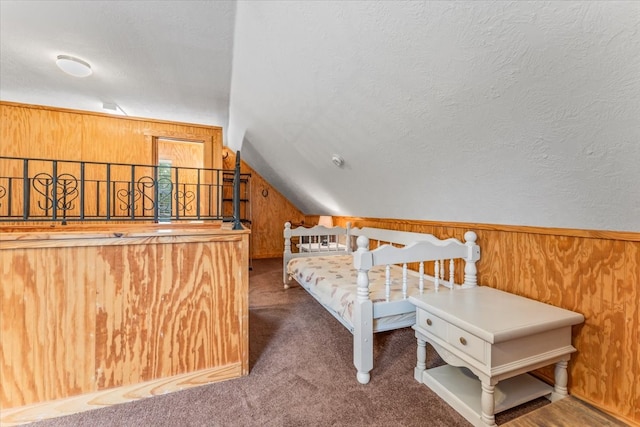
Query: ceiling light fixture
{"x": 113, "y": 108}
{"x": 73, "y": 66}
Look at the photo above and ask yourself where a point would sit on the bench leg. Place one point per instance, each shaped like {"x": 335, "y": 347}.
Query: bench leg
{"x": 488, "y": 404}
{"x": 561, "y": 380}
{"x": 421, "y": 364}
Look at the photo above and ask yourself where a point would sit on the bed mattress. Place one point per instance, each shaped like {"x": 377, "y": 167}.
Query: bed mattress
{"x": 332, "y": 281}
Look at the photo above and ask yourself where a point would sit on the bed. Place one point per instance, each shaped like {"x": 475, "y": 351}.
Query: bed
{"x": 367, "y": 289}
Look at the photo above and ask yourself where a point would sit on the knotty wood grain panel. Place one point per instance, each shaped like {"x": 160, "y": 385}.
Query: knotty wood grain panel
{"x": 82, "y": 313}
{"x": 47, "y": 324}
{"x": 181, "y": 153}
{"x": 175, "y": 304}
{"x": 114, "y": 140}
{"x": 595, "y": 273}
{"x": 38, "y": 133}
{"x": 11, "y": 309}
{"x": 628, "y": 295}
{"x": 109, "y": 281}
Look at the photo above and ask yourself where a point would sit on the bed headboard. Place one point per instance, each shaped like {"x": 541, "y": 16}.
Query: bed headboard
{"x": 317, "y": 232}
{"x": 338, "y": 242}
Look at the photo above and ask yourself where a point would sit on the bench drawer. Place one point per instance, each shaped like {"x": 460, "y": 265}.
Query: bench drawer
{"x": 432, "y": 324}
{"x": 466, "y": 342}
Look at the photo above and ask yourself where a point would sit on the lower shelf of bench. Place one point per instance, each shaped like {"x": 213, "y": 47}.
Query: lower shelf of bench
{"x": 461, "y": 389}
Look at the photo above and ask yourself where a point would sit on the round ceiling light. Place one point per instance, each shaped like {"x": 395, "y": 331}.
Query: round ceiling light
{"x": 74, "y": 66}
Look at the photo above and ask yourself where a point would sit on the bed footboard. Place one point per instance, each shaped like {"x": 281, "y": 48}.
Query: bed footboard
{"x": 429, "y": 248}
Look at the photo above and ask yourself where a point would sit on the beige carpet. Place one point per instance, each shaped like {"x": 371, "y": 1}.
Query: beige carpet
{"x": 301, "y": 374}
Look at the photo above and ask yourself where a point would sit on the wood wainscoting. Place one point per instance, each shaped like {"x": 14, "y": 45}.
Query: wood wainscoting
{"x": 595, "y": 273}
{"x": 107, "y": 314}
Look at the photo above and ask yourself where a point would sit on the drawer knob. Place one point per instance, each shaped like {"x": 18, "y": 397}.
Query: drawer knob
{"x": 429, "y": 322}
{"x": 463, "y": 341}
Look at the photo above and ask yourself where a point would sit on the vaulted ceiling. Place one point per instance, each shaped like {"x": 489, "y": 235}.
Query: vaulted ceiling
{"x": 522, "y": 113}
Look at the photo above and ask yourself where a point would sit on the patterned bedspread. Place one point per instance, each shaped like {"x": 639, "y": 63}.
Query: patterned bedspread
{"x": 332, "y": 281}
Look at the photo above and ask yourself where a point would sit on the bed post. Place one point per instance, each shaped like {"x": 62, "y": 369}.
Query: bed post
{"x": 363, "y": 321}
{"x": 287, "y": 253}
{"x": 470, "y": 270}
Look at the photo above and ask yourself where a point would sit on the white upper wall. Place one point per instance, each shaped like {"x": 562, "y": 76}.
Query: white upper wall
{"x": 524, "y": 113}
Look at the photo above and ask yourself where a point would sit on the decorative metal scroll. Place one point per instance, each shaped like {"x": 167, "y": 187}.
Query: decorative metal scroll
{"x": 3, "y": 193}
{"x": 184, "y": 201}
{"x": 144, "y": 191}
{"x": 124, "y": 196}
{"x": 144, "y": 197}
{"x": 57, "y": 194}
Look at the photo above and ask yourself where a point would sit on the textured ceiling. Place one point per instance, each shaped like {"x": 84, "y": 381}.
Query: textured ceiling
{"x": 169, "y": 60}
{"x": 522, "y": 113}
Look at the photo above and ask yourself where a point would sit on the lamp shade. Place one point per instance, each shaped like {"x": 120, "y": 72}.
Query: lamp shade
{"x": 326, "y": 221}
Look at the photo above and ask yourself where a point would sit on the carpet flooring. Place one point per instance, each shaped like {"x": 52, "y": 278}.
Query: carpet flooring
{"x": 301, "y": 374}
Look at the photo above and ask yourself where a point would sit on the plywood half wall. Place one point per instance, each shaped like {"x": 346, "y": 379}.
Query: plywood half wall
{"x": 108, "y": 315}
{"x": 595, "y": 273}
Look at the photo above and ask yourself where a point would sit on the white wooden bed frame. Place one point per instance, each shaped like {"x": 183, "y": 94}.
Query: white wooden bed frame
{"x": 394, "y": 248}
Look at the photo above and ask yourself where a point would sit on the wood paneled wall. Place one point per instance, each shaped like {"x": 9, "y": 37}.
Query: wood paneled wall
{"x": 84, "y": 309}
{"x": 54, "y": 133}
{"x": 596, "y": 273}
{"x": 51, "y": 133}
{"x": 269, "y": 211}
{"x": 60, "y": 134}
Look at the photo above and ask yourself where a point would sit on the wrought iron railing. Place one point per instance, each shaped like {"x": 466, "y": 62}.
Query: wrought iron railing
{"x": 63, "y": 190}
